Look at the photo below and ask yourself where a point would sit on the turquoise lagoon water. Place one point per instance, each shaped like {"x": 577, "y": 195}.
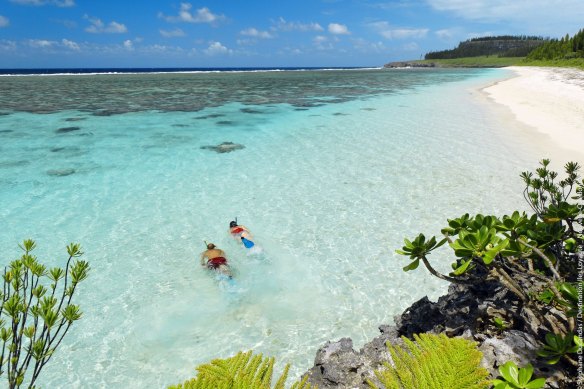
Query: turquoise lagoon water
{"x": 338, "y": 167}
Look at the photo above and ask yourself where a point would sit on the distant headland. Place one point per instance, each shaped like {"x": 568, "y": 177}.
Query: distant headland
{"x": 505, "y": 50}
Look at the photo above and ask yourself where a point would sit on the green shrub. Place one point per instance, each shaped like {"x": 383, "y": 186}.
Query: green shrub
{"x": 242, "y": 371}
{"x": 517, "y": 378}
{"x": 434, "y": 361}
{"x": 36, "y": 305}
{"x": 544, "y": 246}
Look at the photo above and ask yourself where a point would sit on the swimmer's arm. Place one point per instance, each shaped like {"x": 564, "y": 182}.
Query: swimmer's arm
{"x": 203, "y": 259}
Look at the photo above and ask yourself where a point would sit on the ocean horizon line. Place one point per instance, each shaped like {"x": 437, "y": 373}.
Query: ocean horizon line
{"x": 163, "y": 70}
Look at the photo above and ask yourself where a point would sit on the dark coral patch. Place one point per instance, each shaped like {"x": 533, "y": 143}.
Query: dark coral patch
{"x": 225, "y": 147}
{"x": 65, "y": 130}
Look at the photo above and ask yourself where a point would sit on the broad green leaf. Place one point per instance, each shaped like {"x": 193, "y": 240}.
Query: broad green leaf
{"x": 462, "y": 268}
{"x": 492, "y": 253}
{"x": 501, "y": 385}
{"x": 525, "y": 375}
{"x": 536, "y": 384}
{"x": 510, "y": 372}
{"x": 412, "y": 266}
{"x": 554, "y": 360}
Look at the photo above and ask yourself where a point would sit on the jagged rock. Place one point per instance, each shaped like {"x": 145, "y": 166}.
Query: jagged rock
{"x": 513, "y": 346}
{"x": 521, "y": 348}
{"x": 338, "y": 365}
{"x": 225, "y": 147}
{"x": 465, "y": 311}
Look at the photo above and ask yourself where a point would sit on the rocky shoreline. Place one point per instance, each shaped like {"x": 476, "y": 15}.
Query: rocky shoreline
{"x": 467, "y": 311}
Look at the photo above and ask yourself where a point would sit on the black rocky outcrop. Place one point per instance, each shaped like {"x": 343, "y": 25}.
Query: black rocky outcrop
{"x": 467, "y": 311}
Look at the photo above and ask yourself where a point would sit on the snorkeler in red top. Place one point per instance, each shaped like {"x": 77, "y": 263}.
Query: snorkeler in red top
{"x": 241, "y": 232}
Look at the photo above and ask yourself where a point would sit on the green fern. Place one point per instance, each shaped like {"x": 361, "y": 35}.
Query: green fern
{"x": 242, "y": 371}
{"x": 434, "y": 362}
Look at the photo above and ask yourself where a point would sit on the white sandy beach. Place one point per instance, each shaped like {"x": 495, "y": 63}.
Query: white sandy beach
{"x": 550, "y": 101}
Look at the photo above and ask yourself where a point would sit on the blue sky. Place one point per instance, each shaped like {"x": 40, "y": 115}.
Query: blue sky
{"x": 256, "y": 33}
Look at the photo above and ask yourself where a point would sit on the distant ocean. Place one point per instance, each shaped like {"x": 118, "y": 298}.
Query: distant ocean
{"x": 57, "y": 71}
{"x": 330, "y": 171}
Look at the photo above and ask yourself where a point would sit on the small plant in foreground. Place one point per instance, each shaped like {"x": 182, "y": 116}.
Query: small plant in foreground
{"x": 517, "y": 378}
{"x": 36, "y": 312}
{"x": 243, "y": 370}
{"x": 501, "y": 324}
{"x": 434, "y": 361}
{"x": 558, "y": 346}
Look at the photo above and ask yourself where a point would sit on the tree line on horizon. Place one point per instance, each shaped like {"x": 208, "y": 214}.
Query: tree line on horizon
{"x": 565, "y": 48}
{"x": 531, "y": 47}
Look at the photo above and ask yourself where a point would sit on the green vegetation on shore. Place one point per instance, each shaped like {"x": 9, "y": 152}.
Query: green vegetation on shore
{"x": 485, "y": 61}
{"x": 502, "y": 51}
{"x": 577, "y": 63}
{"x": 501, "y": 46}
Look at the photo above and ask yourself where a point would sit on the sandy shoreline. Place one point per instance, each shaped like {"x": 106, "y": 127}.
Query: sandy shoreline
{"x": 549, "y": 101}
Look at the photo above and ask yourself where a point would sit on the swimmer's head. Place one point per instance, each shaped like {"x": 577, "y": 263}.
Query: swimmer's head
{"x": 210, "y": 246}
{"x": 233, "y": 224}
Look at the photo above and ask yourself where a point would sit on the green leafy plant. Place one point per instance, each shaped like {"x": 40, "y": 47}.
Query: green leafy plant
{"x": 558, "y": 346}
{"x": 36, "y": 312}
{"x": 570, "y": 298}
{"x": 517, "y": 378}
{"x": 243, "y": 370}
{"x": 542, "y": 247}
{"x": 433, "y": 361}
{"x": 501, "y": 324}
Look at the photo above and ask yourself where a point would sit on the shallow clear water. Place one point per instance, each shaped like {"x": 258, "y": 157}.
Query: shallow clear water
{"x": 338, "y": 167}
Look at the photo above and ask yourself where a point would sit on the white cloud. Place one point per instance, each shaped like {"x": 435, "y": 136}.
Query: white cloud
{"x": 4, "y": 22}
{"x": 385, "y": 30}
{"x": 98, "y": 27}
{"x": 202, "y": 15}
{"x": 216, "y": 48}
{"x": 322, "y": 42}
{"x": 283, "y": 25}
{"x": 412, "y": 46}
{"x": 41, "y": 43}
{"x": 369, "y": 47}
{"x": 445, "y": 34}
{"x": 38, "y": 3}
{"x": 6, "y": 45}
{"x": 256, "y": 33}
{"x": 177, "y": 32}
{"x": 534, "y": 11}
{"x": 70, "y": 44}
{"x": 338, "y": 29}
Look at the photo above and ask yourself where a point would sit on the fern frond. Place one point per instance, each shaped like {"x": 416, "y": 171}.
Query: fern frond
{"x": 242, "y": 371}
{"x": 434, "y": 362}
{"x": 282, "y": 380}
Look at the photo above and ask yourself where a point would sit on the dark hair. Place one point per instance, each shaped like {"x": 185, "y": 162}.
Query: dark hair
{"x": 210, "y": 246}
{"x": 233, "y": 224}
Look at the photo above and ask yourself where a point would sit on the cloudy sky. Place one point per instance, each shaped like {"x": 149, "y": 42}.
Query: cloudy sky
{"x": 258, "y": 33}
